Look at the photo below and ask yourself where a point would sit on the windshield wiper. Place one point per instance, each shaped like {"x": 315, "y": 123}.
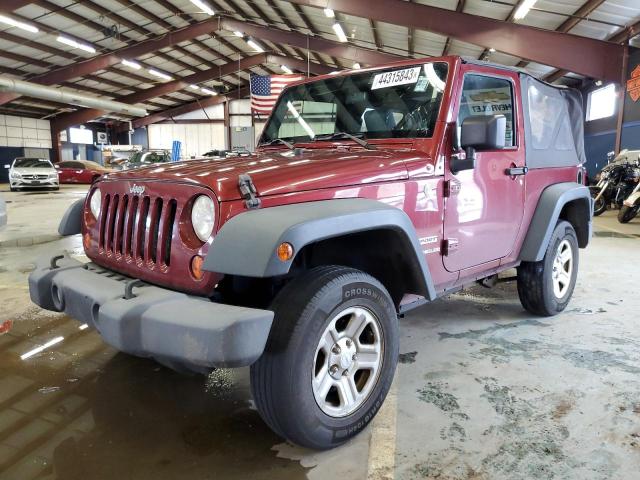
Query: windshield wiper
{"x": 337, "y": 135}
{"x": 289, "y": 145}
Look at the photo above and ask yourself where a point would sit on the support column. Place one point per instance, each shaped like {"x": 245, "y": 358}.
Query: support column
{"x": 56, "y": 145}
{"x": 621, "y": 99}
{"x": 227, "y": 124}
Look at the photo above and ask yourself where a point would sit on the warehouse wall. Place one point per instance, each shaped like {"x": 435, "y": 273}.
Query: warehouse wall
{"x": 196, "y": 138}
{"x": 600, "y": 135}
{"x": 20, "y": 136}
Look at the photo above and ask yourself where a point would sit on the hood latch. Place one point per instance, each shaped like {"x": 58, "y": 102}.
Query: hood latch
{"x": 248, "y": 192}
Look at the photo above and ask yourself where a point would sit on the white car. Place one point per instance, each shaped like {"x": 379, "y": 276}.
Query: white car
{"x": 3, "y": 213}
{"x": 27, "y": 172}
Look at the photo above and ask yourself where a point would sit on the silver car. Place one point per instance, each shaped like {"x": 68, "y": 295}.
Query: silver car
{"x": 26, "y": 172}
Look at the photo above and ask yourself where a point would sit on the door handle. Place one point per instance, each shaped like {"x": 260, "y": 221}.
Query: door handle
{"x": 512, "y": 172}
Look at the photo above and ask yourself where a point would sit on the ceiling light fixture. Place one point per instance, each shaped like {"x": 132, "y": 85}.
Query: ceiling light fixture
{"x": 130, "y": 64}
{"x": 237, "y": 33}
{"x": 159, "y": 74}
{"x": 17, "y": 24}
{"x": 204, "y": 6}
{"x": 73, "y": 43}
{"x": 329, "y": 13}
{"x": 524, "y": 9}
{"x": 340, "y": 32}
{"x": 252, "y": 43}
{"x": 286, "y": 69}
{"x": 492, "y": 50}
{"x": 194, "y": 87}
{"x": 357, "y": 66}
{"x": 208, "y": 92}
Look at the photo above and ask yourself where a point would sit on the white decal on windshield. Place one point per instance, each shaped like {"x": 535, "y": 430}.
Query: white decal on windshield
{"x": 397, "y": 77}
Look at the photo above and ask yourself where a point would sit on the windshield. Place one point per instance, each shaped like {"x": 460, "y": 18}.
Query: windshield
{"x": 400, "y": 102}
{"x": 32, "y": 163}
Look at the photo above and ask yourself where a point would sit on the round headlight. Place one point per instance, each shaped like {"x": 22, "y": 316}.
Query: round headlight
{"x": 203, "y": 217}
{"x": 96, "y": 203}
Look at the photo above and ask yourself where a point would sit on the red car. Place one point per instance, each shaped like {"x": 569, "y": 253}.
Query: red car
{"x": 372, "y": 192}
{"x": 80, "y": 171}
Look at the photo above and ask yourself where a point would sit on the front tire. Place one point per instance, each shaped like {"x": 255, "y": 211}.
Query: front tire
{"x": 626, "y": 214}
{"x": 600, "y": 206}
{"x": 330, "y": 358}
{"x": 545, "y": 287}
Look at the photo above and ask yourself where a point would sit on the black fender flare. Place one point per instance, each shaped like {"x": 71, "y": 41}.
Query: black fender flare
{"x": 246, "y": 244}
{"x": 550, "y": 205}
{"x": 71, "y": 223}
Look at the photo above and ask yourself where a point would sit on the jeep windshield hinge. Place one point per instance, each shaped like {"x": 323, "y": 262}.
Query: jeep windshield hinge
{"x": 248, "y": 192}
{"x": 451, "y": 187}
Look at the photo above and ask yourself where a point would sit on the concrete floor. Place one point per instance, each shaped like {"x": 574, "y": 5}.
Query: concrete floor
{"x": 483, "y": 390}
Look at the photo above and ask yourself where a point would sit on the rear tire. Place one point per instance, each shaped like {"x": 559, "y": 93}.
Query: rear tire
{"x": 335, "y": 330}
{"x": 545, "y": 287}
{"x": 626, "y": 214}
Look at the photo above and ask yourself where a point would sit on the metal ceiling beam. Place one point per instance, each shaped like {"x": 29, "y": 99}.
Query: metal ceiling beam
{"x": 447, "y": 45}
{"x": 583, "y": 12}
{"x": 621, "y": 37}
{"x": 101, "y": 62}
{"x": 315, "y": 43}
{"x": 242, "y": 92}
{"x": 82, "y": 116}
{"x": 594, "y": 58}
{"x": 15, "y": 4}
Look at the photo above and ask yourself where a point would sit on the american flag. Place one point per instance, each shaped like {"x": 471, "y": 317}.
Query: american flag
{"x": 265, "y": 90}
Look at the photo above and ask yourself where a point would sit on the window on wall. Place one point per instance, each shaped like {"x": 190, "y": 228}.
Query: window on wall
{"x": 601, "y": 103}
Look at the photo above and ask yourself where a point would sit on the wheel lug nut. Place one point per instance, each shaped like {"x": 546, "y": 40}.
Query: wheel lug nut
{"x": 345, "y": 373}
{"x": 336, "y": 349}
{"x": 355, "y": 357}
{"x": 348, "y": 342}
{"x": 333, "y": 368}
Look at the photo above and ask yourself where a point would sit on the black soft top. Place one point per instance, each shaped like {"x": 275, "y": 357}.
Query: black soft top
{"x": 554, "y": 120}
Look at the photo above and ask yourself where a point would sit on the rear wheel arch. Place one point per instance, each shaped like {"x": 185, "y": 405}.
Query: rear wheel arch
{"x": 568, "y": 201}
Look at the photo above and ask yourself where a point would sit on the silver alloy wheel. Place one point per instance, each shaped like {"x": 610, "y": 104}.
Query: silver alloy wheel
{"x": 347, "y": 361}
{"x": 562, "y": 269}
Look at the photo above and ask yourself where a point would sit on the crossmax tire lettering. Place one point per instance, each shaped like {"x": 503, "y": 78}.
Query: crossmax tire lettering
{"x": 281, "y": 378}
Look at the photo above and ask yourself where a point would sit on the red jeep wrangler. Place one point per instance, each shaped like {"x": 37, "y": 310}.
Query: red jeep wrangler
{"x": 371, "y": 192}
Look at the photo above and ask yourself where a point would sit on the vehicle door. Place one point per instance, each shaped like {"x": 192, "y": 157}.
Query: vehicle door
{"x": 66, "y": 172}
{"x": 485, "y": 204}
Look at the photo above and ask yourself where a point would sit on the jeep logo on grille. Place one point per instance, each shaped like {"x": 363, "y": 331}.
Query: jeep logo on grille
{"x": 137, "y": 190}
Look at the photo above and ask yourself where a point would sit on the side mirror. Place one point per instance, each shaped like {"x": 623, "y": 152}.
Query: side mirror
{"x": 484, "y": 132}
{"x": 7, "y": 166}
{"x": 476, "y": 133}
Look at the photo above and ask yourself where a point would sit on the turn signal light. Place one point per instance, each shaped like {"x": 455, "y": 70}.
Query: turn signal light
{"x": 86, "y": 241}
{"x": 285, "y": 251}
{"x": 196, "y": 267}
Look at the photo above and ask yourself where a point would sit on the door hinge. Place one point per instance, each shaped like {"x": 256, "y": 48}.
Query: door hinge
{"x": 449, "y": 246}
{"x": 248, "y": 192}
{"x": 451, "y": 187}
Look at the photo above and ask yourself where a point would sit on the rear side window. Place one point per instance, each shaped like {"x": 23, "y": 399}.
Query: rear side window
{"x": 484, "y": 96}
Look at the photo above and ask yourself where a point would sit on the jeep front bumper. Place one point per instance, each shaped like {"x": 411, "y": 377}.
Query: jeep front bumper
{"x": 150, "y": 321}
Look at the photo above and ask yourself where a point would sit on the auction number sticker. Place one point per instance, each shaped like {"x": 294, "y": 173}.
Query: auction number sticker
{"x": 397, "y": 77}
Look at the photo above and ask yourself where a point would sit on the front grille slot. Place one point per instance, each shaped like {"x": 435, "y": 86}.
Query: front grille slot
{"x": 141, "y": 226}
{"x": 111, "y": 223}
{"x": 167, "y": 232}
{"x": 152, "y": 245}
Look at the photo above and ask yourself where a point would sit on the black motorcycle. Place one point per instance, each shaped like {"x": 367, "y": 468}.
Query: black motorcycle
{"x": 615, "y": 183}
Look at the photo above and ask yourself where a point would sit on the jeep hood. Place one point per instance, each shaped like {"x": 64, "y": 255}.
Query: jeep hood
{"x": 281, "y": 172}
